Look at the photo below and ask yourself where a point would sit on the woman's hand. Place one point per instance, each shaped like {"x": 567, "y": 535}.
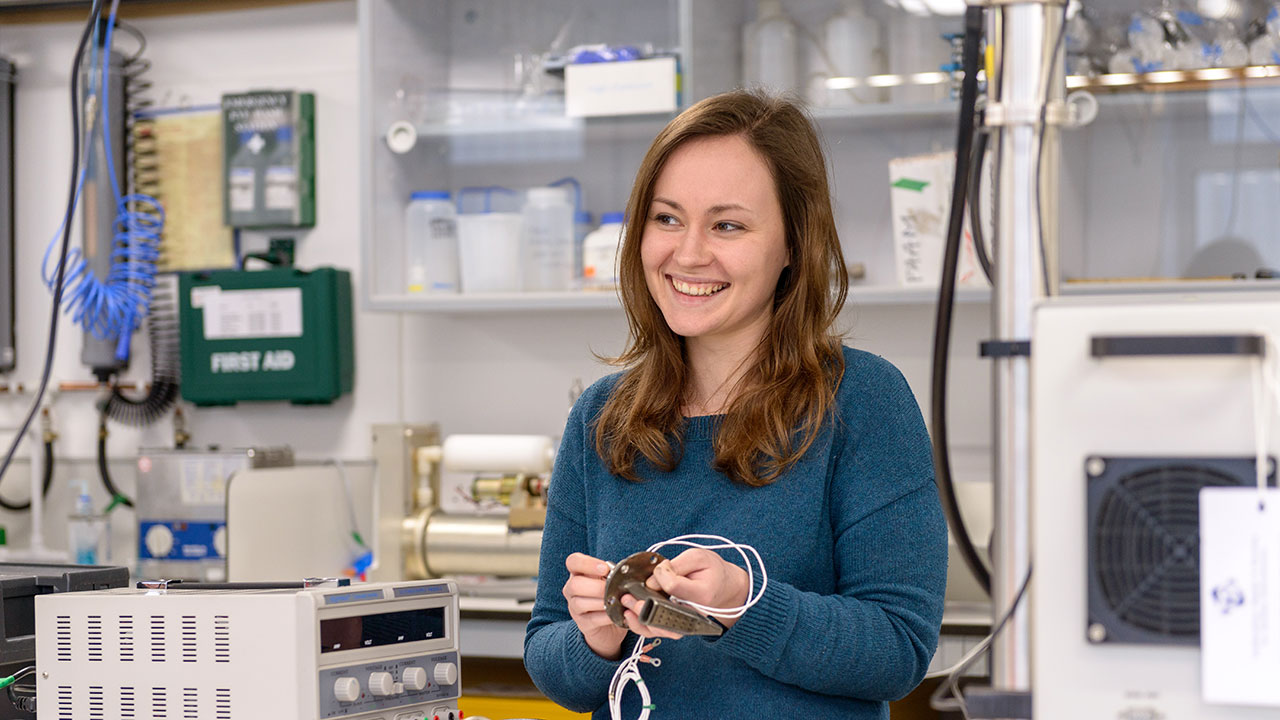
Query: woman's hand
{"x": 584, "y": 592}
{"x": 695, "y": 575}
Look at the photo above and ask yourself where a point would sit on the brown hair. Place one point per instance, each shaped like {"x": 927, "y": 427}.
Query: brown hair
{"x": 778, "y": 406}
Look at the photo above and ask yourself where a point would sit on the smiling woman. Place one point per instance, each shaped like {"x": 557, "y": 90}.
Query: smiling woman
{"x": 739, "y": 414}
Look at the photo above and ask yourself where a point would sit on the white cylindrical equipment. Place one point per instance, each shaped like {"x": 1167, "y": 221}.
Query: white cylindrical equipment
{"x": 527, "y": 454}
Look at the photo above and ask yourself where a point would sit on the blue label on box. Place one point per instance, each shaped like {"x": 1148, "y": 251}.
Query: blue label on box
{"x": 191, "y": 541}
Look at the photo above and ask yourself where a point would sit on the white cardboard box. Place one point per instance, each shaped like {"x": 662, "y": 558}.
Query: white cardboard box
{"x": 920, "y": 200}
{"x": 632, "y": 87}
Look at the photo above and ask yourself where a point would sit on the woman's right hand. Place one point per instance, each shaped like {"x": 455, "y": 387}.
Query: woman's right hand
{"x": 584, "y": 592}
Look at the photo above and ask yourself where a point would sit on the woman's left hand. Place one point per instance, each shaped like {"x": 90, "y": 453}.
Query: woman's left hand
{"x": 695, "y": 575}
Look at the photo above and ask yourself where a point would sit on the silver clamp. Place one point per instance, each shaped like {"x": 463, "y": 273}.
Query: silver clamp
{"x": 1002, "y": 115}
{"x": 1000, "y": 3}
{"x": 314, "y": 582}
{"x": 1079, "y": 109}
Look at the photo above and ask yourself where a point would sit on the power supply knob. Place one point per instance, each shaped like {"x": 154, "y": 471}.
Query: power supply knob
{"x": 414, "y": 678}
{"x": 346, "y": 689}
{"x": 159, "y": 541}
{"x": 381, "y": 683}
{"x": 220, "y": 541}
{"x": 446, "y": 673}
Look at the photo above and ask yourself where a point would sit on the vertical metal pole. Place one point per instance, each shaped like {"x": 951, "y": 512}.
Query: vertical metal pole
{"x": 1026, "y": 236}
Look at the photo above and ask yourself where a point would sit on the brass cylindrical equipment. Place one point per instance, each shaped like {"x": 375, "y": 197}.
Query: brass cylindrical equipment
{"x": 437, "y": 544}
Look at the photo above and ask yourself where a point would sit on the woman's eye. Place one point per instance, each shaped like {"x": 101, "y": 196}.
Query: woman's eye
{"x": 726, "y": 226}
{"x": 665, "y": 219}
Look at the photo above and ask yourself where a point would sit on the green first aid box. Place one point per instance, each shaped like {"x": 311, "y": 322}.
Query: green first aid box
{"x": 278, "y": 334}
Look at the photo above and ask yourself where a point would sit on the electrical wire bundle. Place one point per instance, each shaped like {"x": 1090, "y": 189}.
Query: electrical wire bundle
{"x": 629, "y": 670}
{"x": 73, "y": 193}
{"x": 970, "y": 151}
{"x": 111, "y": 307}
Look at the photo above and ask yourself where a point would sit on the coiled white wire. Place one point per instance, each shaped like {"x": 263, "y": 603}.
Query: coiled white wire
{"x": 629, "y": 670}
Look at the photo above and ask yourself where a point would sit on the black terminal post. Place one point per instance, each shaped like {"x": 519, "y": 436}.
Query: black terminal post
{"x": 279, "y": 253}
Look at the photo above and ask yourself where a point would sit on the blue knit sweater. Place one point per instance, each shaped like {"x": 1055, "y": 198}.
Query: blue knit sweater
{"x": 852, "y": 536}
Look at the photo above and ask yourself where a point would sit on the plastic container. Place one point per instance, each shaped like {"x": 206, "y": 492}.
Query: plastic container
{"x": 1265, "y": 50}
{"x": 280, "y": 184}
{"x": 489, "y": 252}
{"x": 431, "y": 243}
{"x": 582, "y": 226}
{"x": 242, "y": 177}
{"x": 600, "y": 253}
{"x": 769, "y": 49}
{"x": 915, "y": 45}
{"x": 87, "y": 532}
{"x": 547, "y": 245}
{"x": 855, "y": 50}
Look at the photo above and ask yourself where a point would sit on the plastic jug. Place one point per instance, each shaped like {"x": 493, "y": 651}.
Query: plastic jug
{"x": 431, "y": 243}
{"x": 547, "y": 246}
{"x": 600, "y": 253}
{"x": 769, "y": 49}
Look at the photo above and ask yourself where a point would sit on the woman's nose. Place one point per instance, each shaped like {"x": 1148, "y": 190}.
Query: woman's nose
{"x": 693, "y": 249}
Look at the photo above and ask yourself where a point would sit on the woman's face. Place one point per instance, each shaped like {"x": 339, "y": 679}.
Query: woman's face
{"x": 714, "y": 242}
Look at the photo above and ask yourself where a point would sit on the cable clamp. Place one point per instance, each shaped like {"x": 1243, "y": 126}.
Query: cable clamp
{"x": 1005, "y": 115}
{"x": 1004, "y": 348}
{"x": 1000, "y": 3}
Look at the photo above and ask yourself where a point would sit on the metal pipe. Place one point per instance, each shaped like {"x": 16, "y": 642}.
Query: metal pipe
{"x": 1026, "y": 232}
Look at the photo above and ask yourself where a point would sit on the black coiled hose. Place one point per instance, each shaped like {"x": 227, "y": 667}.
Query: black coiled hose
{"x": 166, "y": 362}
{"x": 162, "y": 323}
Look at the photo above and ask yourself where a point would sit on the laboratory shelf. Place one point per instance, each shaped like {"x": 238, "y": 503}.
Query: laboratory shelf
{"x": 515, "y": 114}
{"x": 1177, "y": 80}
{"x": 1166, "y": 286}
{"x": 607, "y": 300}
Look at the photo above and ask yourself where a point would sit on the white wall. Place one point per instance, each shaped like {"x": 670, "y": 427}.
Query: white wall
{"x": 502, "y": 372}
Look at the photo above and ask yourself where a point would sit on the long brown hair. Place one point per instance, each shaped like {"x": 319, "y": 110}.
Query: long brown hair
{"x": 782, "y": 400}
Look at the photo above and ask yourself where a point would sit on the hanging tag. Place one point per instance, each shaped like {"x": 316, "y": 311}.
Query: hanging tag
{"x": 1240, "y": 595}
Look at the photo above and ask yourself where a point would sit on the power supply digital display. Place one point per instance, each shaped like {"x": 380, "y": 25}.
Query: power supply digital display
{"x": 366, "y": 631}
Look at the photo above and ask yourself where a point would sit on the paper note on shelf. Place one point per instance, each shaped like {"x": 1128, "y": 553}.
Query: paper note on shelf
{"x": 920, "y": 201}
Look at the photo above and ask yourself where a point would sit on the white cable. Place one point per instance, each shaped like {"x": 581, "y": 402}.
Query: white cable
{"x": 723, "y": 543}
{"x": 629, "y": 669}
{"x": 1261, "y": 424}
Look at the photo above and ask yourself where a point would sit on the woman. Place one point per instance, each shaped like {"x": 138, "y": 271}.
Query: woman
{"x": 740, "y": 414}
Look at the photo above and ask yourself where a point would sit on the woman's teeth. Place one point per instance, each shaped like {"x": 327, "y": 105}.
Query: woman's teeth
{"x": 698, "y": 289}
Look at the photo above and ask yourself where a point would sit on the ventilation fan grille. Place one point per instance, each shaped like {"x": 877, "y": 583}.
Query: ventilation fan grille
{"x": 1144, "y": 545}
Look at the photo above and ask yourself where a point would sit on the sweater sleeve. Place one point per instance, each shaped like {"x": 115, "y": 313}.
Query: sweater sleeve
{"x": 875, "y": 637}
{"x": 556, "y": 655}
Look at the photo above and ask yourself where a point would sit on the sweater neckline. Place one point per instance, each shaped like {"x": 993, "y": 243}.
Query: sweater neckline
{"x": 701, "y": 427}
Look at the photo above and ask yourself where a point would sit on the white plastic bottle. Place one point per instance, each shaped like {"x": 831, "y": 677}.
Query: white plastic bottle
{"x": 855, "y": 50}
{"x": 600, "y": 253}
{"x": 769, "y": 49}
{"x": 431, "y": 243}
{"x": 547, "y": 243}
{"x": 1265, "y": 50}
{"x": 915, "y": 45}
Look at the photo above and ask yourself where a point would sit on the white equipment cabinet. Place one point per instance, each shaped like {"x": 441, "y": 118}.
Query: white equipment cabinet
{"x": 1123, "y": 443}
{"x": 386, "y": 651}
